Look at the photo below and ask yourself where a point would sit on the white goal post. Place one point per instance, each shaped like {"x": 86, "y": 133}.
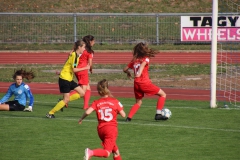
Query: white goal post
{"x": 225, "y": 55}
{"x": 213, "y": 101}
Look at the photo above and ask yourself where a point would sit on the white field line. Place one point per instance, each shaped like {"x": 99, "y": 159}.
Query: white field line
{"x": 132, "y": 123}
{"x": 143, "y": 106}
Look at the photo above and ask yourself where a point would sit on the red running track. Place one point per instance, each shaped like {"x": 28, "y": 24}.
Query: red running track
{"x": 126, "y": 92}
{"x": 113, "y": 57}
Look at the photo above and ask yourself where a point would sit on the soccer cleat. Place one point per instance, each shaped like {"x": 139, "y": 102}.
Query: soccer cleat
{"x": 128, "y": 119}
{"x": 160, "y": 117}
{"x": 50, "y": 115}
{"x": 87, "y": 154}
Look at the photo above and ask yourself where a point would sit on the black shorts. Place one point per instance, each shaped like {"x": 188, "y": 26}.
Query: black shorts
{"x": 66, "y": 86}
{"x": 15, "y": 106}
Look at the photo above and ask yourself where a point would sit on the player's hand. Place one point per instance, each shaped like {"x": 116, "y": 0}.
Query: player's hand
{"x": 129, "y": 75}
{"x": 28, "y": 109}
{"x": 90, "y": 70}
{"x": 88, "y": 67}
{"x": 57, "y": 72}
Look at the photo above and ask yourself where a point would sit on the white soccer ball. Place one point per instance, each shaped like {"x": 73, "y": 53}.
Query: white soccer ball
{"x": 166, "y": 113}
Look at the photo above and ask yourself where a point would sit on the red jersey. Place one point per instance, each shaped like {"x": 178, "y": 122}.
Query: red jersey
{"x": 107, "y": 109}
{"x": 83, "y": 61}
{"x": 135, "y": 65}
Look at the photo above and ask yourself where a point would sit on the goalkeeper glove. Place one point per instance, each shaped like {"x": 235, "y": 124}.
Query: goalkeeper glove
{"x": 28, "y": 109}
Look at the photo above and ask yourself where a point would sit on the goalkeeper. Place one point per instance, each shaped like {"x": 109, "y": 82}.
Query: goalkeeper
{"x": 21, "y": 92}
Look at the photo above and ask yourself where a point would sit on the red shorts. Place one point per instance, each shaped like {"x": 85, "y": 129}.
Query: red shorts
{"x": 145, "y": 88}
{"x": 108, "y": 135}
{"x": 82, "y": 79}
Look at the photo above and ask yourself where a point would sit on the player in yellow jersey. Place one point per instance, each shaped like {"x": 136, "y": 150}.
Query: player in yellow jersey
{"x": 66, "y": 83}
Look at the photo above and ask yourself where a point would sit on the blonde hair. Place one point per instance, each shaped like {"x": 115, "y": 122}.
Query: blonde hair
{"x": 102, "y": 88}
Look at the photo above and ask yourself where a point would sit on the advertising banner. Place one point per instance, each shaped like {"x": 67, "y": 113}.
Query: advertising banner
{"x": 195, "y": 28}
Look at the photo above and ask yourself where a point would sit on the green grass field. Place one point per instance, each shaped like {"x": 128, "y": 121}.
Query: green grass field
{"x": 194, "y": 132}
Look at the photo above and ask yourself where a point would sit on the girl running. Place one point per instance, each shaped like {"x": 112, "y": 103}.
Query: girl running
{"x": 82, "y": 76}
{"x": 66, "y": 83}
{"x": 107, "y": 108}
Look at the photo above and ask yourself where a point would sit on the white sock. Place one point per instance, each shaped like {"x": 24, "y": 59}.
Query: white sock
{"x": 159, "y": 111}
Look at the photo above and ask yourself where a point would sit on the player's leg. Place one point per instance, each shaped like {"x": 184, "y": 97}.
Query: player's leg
{"x": 161, "y": 99}
{"x": 99, "y": 152}
{"x": 115, "y": 150}
{"x": 134, "y": 109}
{"x": 116, "y": 155}
{"x": 80, "y": 91}
{"x": 160, "y": 104}
{"x": 11, "y": 106}
{"x": 74, "y": 95}
{"x": 84, "y": 82}
{"x": 4, "y": 107}
{"x": 87, "y": 96}
{"x": 65, "y": 88}
{"x": 138, "y": 96}
{"x": 58, "y": 106}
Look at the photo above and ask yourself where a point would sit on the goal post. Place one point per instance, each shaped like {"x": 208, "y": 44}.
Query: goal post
{"x": 213, "y": 101}
{"x": 225, "y": 54}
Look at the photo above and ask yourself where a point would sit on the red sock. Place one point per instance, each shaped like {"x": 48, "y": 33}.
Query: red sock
{"x": 72, "y": 92}
{"x": 160, "y": 103}
{"x": 86, "y": 98}
{"x": 117, "y": 158}
{"x": 100, "y": 153}
{"x": 133, "y": 110}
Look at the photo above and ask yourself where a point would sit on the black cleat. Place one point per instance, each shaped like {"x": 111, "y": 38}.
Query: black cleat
{"x": 128, "y": 119}
{"x": 50, "y": 115}
{"x": 160, "y": 117}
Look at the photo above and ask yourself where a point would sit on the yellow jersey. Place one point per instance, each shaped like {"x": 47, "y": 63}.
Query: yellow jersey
{"x": 67, "y": 70}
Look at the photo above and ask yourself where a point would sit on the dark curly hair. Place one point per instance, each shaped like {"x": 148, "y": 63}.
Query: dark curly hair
{"x": 28, "y": 75}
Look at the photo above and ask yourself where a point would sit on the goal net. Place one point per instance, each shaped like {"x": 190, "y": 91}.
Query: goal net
{"x": 228, "y": 56}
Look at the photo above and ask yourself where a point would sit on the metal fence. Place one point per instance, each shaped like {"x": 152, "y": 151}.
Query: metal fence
{"x": 112, "y": 28}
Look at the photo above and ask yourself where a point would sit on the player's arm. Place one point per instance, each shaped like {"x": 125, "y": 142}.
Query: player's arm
{"x": 90, "y": 64}
{"x": 143, "y": 64}
{"x": 6, "y": 96}
{"x": 122, "y": 113}
{"x": 81, "y": 69}
{"x": 126, "y": 70}
{"x": 120, "y": 109}
{"x": 85, "y": 114}
{"x": 30, "y": 97}
{"x": 74, "y": 66}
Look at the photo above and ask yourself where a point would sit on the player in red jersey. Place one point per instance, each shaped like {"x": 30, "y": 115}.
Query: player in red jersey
{"x": 107, "y": 108}
{"x": 82, "y": 76}
{"x": 142, "y": 82}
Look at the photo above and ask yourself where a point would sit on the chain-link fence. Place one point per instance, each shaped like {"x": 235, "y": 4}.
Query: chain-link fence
{"x": 107, "y": 28}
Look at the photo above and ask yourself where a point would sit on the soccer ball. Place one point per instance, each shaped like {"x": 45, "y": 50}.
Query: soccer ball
{"x": 166, "y": 113}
